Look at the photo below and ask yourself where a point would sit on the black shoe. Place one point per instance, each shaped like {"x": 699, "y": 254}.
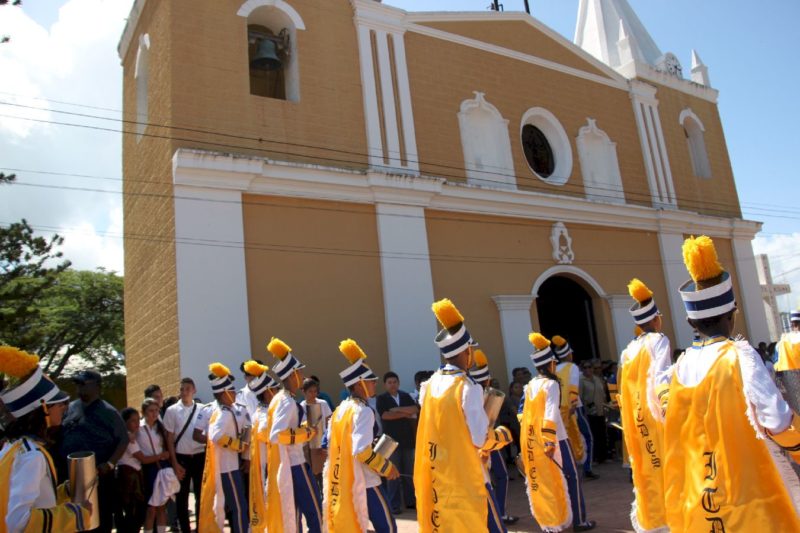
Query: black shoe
{"x": 508, "y": 520}
{"x": 586, "y": 526}
{"x": 591, "y": 475}
{"x": 397, "y": 511}
{"x": 412, "y": 506}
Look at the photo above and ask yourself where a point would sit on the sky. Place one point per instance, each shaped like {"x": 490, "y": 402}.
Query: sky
{"x": 62, "y": 57}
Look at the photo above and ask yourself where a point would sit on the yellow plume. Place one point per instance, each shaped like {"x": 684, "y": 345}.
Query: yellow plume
{"x": 637, "y": 331}
{"x": 639, "y": 291}
{"x": 254, "y": 368}
{"x": 351, "y": 350}
{"x": 480, "y": 359}
{"x": 219, "y": 370}
{"x": 447, "y": 313}
{"x": 559, "y": 341}
{"x": 700, "y": 258}
{"x": 17, "y": 363}
{"x": 278, "y": 348}
{"x": 539, "y": 341}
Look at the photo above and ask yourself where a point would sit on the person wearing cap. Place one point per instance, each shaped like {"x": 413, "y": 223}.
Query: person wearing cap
{"x": 551, "y": 473}
{"x": 264, "y": 389}
{"x": 245, "y": 396}
{"x": 92, "y": 424}
{"x": 352, "y": 476}
{"x": 787, "y": 368}
{"x": 30, "y": 496}
{"x": 569, "y": 378}
{"x": 290, "y": 476}
{"x": 497, "y": 464}
{"x": 641, "y": 364}
{"x": 719, "y": 474}
{"x": 452, "y": 494}
{"x": 226, "y": 457}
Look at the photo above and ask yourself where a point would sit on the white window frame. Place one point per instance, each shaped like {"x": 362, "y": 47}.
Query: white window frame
{"x": 559, "y": 143}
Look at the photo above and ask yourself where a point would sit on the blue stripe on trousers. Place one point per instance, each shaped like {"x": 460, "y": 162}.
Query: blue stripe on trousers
{"x": 573, "y": 483}
{"x": 500, "y": 476}
{"x": 586, "y": 431}
{"x": 235, "y": 501}
{"x": 306, "y": 497}
{"x": 494, "y": 520}
{"x": 379, "y": 513}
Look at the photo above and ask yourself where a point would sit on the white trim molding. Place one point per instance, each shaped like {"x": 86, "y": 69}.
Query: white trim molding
{"x": 556, "y": 135}
{"x": 486, "y": 145}
{"x": 620, "y": 305}
{"x": 251, "y": 5}
{"x": 515, "y": 325}
{"x": 571, "y": 271}
{"x": 130, "y": 28}
{"x": 695, "y": 139}
{"x": 597, "y": 153}
{"x": 670, "y": 244}
{"x": 750, "y": 288}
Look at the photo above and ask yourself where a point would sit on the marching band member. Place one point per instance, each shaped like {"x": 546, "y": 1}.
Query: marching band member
{"x": 642, "y": 362}
{"x": 551, "y": 474}
{"x": 245, "y": 396}
{"x": 30, "y": 498}
{"x": 290, "y": 483}
{"x": 352, "y": 476}
{"x": 787, "y": 369}
{"x": 718, "y": 472}
{"x": 569, "y": 377}
{"x": 264, "y": 389}
{"x": 452, "y": 494}
{"x": 222, "y": 478}
{"x": 497, "y": 464}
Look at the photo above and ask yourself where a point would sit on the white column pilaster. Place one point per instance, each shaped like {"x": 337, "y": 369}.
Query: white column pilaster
{"x": 407, "y": 289}
{"x": 750, "y": 288}
{"x": 623, "y": 321}
{"x": 515, "y": 325}
{"x": 213, "y": 318}
{"x": 675, "y": 274}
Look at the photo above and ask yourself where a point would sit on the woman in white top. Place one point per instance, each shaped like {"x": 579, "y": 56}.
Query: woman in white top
{"x": 154, "y": 456}
{"x": 130, "y": 484}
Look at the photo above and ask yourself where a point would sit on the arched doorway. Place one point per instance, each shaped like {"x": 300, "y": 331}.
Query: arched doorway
{"x": 565, "y": 308}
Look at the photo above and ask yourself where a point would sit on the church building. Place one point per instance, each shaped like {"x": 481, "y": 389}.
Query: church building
{"x": 318, "y": 170}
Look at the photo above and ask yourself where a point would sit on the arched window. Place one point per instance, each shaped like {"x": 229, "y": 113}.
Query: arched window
{"x": 599, "y": 165}
{"x": 272, "y": 48}
{"x": 695, "y": 138}
{"x": 546, "y": 146}
{"x": 140, "y": 74}
{"x": 487, "y": 148}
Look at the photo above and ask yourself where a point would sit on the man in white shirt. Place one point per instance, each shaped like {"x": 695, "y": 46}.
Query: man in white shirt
{"x": 179, "y": 421}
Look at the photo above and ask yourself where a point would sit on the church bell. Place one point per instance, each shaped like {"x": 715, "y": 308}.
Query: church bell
{"x": 266, "y": 57}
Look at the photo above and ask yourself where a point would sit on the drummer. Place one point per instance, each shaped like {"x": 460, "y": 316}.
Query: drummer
{"x": 353, "y": 495}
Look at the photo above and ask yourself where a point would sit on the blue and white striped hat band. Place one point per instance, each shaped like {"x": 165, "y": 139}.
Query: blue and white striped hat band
{"x": 356, "y": 372}
{"x": 794, "y": 316}
{"x": 642, "y": 314}
{"x": 706, "y": 303}
{"x": 452, "y": 344}
{"x": 261, "y": 383}
{"x": 480, "y": 374}
{"x": 284, "y": 368}
{"x": 29, "y": 395}
{"x": 221, "y": 384}
{"x": 562, "y": 351}
{"x": 542, "y": 357}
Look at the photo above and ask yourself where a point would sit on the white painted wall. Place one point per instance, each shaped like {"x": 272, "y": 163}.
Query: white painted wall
{"x": 623, "y": 321}
{"x": 407, "y": 290}
{"x": 213, "y": 323}
{"x": 515, "y": 325}
{"x": 750, "y": 287}
{"x": 675, "y": 275}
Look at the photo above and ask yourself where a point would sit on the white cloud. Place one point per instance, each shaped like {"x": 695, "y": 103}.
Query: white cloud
{"x": 783, "y": 251}
{"x": 89, "y": 249}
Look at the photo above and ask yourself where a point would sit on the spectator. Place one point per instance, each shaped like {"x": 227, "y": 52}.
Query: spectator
{"x": 521, "y": 375}
{"x": 593, "y": 396}
{"x": 130, "y": 484}
{"x": 190, "y": 455}
{"x": 515, "y": 390}
{"x": 154, "y": 391}
{"x": 316, "y": 457}
{"x": 154, "y": 456}
{"x": 94, "y": 425}
{"x": 398, "y": 411}
{"x": 419, "y": 378}
{"x": 508, "y": 418}
{"x": 322, "y": 395}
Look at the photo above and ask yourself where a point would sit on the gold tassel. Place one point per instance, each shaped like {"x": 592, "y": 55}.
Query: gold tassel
{"x": 351, "y": 350}
{"x": 17, "y": 363}
{"x": 254, "y": 368}
{"x": 447, "y": 313}
{"x": 480, "y": 359}
{"x": 539, "y": 341}
{"x": 278, "y": 348}
{"x": 219, "y": 370}
{"x": 639, "y": 291}
{"x": 700, "y": 258}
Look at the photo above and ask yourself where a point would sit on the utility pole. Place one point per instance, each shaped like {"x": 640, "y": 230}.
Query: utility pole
{"x": 527, "y": 8}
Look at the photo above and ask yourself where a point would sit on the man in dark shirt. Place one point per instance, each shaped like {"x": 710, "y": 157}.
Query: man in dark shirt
{"x": 398, "y": 412}
{"x": 92, "y": 424}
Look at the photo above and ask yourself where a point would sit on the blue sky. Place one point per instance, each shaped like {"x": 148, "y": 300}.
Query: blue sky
{"x": 749, "y": 48}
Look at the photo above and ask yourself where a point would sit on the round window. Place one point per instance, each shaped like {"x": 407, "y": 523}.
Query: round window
{"x": 538, "y": 151}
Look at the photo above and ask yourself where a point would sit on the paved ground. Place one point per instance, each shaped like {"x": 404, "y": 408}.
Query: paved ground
{"x": 608, "y": 501}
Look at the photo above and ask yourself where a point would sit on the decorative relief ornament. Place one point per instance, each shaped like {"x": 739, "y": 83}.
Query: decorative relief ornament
{"x": 562, "y": 244}
{"x": 669, "y": 63}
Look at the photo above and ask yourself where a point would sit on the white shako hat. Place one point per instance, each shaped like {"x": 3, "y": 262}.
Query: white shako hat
{"x": 261, "y": 380}
{"x": 560, "y": 346}
{"x": 710, "y": 291}
{"x": 287, "y": 362}
{"x": 542, "y": 353}
{"x": 454, "y": 337}
{"x": 644, "y": 310}
{"x": 480, "y": 373}
{"x": 358, "y": 369}
{"x": 27, "y": 387}
{"x": 220, "y": 378}
{"x": 794, "y": 316}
